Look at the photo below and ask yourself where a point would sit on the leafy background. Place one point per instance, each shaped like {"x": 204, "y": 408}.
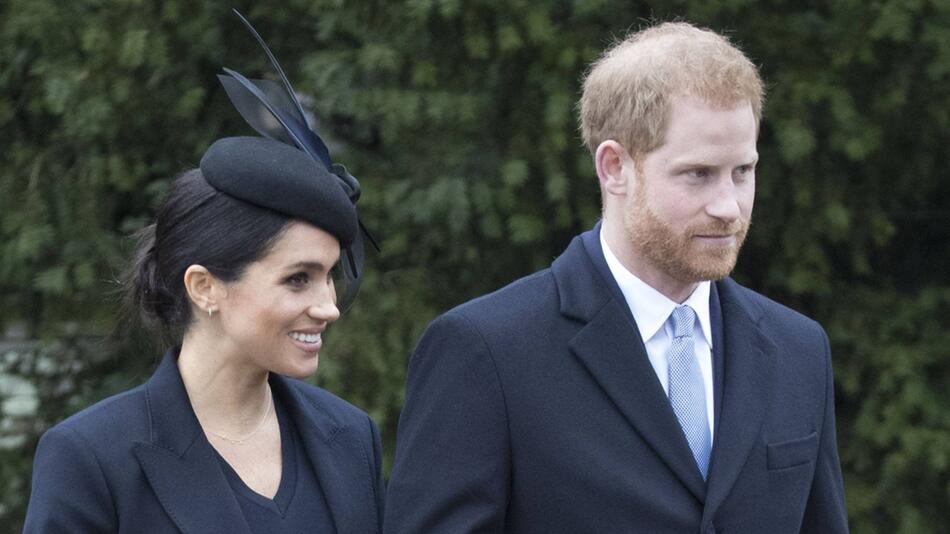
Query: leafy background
{"x": 459, "y": 119}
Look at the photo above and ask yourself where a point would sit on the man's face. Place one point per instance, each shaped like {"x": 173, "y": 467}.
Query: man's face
{"x": 691, "y": 200}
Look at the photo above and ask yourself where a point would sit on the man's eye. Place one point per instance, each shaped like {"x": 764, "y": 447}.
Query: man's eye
{"x": 698, "y": 174}
{"x": 744, "y": 171}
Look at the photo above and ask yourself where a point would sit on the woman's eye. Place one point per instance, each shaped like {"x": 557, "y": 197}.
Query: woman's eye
{"x": 298, "y": 279}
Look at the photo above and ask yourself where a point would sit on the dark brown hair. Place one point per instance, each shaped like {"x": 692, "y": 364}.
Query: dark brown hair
{"x": 196, "y": 225}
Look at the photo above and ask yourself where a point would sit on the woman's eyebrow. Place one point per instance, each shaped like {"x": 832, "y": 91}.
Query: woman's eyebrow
{"x": 307, "y": 265}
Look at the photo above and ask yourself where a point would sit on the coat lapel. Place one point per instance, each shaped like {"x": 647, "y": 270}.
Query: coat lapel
{"x": 748, "y": 372}
{"x": 180, "y": 464}
{"x": 609, "y": 346}
{"x": 342, "y": 464}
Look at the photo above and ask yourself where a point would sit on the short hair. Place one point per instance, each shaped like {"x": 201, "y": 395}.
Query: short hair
{"x": 627, "y": 92}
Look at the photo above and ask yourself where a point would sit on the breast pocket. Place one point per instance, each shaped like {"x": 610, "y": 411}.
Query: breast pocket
{"x": 791, "y": 453}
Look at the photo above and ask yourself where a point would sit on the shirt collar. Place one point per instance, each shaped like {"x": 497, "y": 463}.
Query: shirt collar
{"x": 649, "y": 307}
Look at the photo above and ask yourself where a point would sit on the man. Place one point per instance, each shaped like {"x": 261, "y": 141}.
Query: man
{"x": 621, "y": 390}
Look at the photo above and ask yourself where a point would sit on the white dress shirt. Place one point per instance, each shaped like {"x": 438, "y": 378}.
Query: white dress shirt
{"x": 651, "y": 310}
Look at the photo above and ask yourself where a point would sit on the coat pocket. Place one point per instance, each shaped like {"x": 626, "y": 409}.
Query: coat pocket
{"x": 791, "y": 453}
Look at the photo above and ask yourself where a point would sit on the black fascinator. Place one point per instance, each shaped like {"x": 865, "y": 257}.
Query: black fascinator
{"x": 291, "y": 171}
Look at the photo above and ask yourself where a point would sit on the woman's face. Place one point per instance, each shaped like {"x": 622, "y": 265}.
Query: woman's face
{"x": 275, "y": 313}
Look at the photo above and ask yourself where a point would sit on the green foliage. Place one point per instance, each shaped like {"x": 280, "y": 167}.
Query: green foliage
{"x": 459, "y": 119}
{"x": 895, "y": 389}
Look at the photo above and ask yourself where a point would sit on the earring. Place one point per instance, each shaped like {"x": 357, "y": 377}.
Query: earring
{"x": 210, "y": 312}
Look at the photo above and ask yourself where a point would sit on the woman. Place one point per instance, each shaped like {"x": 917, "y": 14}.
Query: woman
{"x": 236, "y": 272}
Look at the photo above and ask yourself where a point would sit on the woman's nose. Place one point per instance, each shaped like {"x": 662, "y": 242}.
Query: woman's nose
{"x": 323, "y": 306}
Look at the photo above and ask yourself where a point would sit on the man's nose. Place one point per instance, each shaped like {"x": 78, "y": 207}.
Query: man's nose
{"x": 724, "y": 204}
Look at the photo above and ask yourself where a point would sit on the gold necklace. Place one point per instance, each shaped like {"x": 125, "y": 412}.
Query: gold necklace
{"x": 241, "y": 440}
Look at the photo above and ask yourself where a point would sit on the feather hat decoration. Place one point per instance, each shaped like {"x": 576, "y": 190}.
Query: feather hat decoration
{"x": 274, "y": 111}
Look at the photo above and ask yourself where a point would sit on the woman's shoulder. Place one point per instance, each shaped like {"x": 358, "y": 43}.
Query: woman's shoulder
{"x": 119, "y": 418}
{"x": 321, "y": 399}
{"x": 83, "y": 463}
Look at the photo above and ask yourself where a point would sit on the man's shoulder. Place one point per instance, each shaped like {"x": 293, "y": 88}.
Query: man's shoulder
{"x": 514, "y": 311}
{"x": 771, "y": 312}
{"x": 522, "y": 299}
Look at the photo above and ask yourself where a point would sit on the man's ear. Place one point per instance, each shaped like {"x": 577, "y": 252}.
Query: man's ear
{"x": 202, "y": 288}
{"x": 610, "y": 160}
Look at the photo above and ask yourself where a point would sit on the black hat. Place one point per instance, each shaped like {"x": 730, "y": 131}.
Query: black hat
{"x": 277, "y": 176}
{"x": 289, "y": 170}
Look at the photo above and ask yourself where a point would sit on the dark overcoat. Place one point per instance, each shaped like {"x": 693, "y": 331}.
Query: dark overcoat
{"x": 535, "y": 409}
{"x": 139, "y": 462}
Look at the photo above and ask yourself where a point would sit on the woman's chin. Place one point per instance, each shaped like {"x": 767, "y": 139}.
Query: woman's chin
{"x": 303, "y": 370}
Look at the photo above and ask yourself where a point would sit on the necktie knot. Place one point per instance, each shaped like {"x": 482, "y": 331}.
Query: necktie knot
{"x": 683, "y": 318}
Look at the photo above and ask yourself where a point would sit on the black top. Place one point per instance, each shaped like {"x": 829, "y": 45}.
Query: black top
{"x": 299, "y": 505}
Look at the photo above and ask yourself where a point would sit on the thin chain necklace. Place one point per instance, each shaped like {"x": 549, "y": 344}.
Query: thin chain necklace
{"x": 241, "y": 440}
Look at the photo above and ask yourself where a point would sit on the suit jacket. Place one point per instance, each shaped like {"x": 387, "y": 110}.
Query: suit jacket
{"x": 139, "y": 462}
{"x": 535, "y": 410}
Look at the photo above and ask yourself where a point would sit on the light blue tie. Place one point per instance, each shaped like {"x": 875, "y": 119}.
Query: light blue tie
{"x": 687, "y": 391}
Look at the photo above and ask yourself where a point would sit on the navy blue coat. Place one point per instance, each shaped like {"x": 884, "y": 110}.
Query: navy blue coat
{"x": 535, "y": 410}
{"x": 139, "y": 462}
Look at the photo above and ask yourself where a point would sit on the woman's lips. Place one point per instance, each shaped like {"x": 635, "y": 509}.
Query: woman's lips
{"x": 307, "y": 341}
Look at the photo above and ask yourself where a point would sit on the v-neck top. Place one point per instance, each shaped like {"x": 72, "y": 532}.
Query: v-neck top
{"x": 299, "y": 504}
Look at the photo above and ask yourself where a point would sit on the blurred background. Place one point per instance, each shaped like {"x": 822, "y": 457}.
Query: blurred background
{"x": 459, "y": 119}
